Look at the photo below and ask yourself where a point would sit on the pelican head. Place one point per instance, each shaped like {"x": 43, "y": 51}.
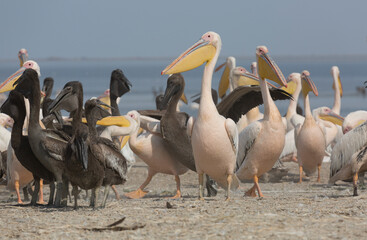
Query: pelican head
{"x": 307, "y": 84}
{"x": 6, "y": 121}
{"x": 68, "y": 98}
{"x": 203, "y": 51}
{"x": 267, "y": 68}
{"x": 9, "y": 83}
{"x": 224, "y": 80}
{"x": 23, "y": 56}
{"x": 175, "y": 85}
{"x": 335, "y": 73}
{"x": 241, "y": 77}
{"x": 328, "y": 115}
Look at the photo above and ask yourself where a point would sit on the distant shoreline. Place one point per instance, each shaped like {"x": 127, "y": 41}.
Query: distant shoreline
{"x": 278, "y": 57}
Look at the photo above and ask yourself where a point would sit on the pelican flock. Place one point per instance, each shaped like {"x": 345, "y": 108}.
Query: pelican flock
{"x": 226, "y": 143}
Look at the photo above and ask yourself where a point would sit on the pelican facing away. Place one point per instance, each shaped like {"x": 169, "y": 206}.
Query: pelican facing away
{"x": 257, "y": 150}
{"x": 310, "y": 139}
{"x": 214, "y": 138}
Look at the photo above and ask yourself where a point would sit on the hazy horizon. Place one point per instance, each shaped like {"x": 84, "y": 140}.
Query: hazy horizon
{"x": 163, "y": 29}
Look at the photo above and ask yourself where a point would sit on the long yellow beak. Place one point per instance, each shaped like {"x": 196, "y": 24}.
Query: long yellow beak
{"x": 201, "y": 52}
{"x": 307, "y": 84}
{"x": 247, "y": 79}
{"x": 291, "y": 87}
{"x": 339, "y": 85}
{"x": 332, "y": 117}
{"x": 112, "y": 120}
{"x": 224, "y": 81}
{"x": 184, "y": 98}
{"x": 267, "y": 68}
{"x": 106, "y": 100}
{"x": 7, "y": 85}
{"x": 23, "y": 57}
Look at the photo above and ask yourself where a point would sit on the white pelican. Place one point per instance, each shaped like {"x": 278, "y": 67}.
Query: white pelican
{"x": 310, "y": 139}
{"x": 348, "y": 156}
{"x": 353, "y": 120}
{"x": 294, "y": 86}
{"x": 214, "y": 138}
{"x": 5, "y": 121}
{"x": 152, "y": 150}
{"x": 257, "y": 150}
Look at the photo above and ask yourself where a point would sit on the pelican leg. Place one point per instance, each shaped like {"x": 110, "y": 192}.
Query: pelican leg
{"x": 178, "y": 185}
{"x": 355, "y": 180}
{"x": 201, "y": 186}
{"x": 64, "y": 193}
{"x": 35, "y": 192}
{"x": 105, "y": 195}
{"x": 210, "y": 186}
{"x": 52, "y": 193}
{"x": 117, "y": 195}
{"x": 94, "y": 197}
{"x": 300, "y": 174}
{"x": 17, "y": 191}
{"x": 229, "y": 182}
{"x": 59, "y": 189}
{"x": 256, "y": 181}
{"x": 40, "y": 192}
{"x": 139, "y": 193}
{"x": 318, "y": 173}
{"x": 251, "y": 192}
{"x": 86, "y": 195}
{"x": 25, "y": 193}
{"x": 75, "y": 193}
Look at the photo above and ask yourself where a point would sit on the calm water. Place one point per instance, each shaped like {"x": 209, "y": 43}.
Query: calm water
{"x": 145, "y": 78}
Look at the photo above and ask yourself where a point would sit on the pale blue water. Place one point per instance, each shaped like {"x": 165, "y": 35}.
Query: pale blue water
{"x": 145, "y": 76}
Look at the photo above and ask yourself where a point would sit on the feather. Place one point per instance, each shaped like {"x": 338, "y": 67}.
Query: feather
{"x": 349, "y": 144}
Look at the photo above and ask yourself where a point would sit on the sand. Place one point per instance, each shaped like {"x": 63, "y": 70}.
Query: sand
{"x": 289, "y": 211}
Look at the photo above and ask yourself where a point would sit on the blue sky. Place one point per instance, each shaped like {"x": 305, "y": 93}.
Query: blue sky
{"x": 104, "y": 29}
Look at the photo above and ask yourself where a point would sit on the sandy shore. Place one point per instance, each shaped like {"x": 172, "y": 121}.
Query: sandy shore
{"x": 289, "y": 211}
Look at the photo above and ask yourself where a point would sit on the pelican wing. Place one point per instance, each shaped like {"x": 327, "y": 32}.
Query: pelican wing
{"x": 247, "y": 139}
{"x": 157, "y": 114}
{"x": 55, "y": 146}
{"x": 349, "y": 144}
{"x": 289, "y": 146}
{"x": 297, "y": 119}
{"x": 150, "y": 124}
{"x": 113, "y": 157}
{"x": 244, "y": 98}
{"x": 232, "y": 132}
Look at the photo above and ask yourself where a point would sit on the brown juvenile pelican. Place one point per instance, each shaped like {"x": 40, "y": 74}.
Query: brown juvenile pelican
{"x": 15, "y": 107}
{"x": 48, "y": 85}
{"x": 83, "y": 166}
{"x": 47, "y": 146}
{"x": 173, "y": 127}
{"x": 104, "y": 150}
{"x": 310, "y": 139}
